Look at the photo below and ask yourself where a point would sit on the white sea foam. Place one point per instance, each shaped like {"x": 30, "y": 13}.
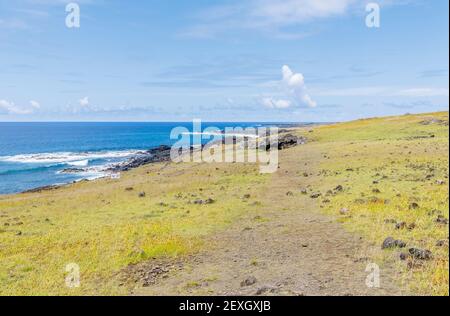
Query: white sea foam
{"x": 73, "y": 158}
{"x": 81, "y": 163}
{"x": 90, "y": 173}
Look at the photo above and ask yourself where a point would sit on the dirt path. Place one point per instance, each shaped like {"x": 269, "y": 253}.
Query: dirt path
{"x": 289, "y": 249}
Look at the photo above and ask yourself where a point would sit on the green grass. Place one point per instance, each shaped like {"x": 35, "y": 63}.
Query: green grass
{"x": 404, "y": 160}
{"x": 103, "y": 228}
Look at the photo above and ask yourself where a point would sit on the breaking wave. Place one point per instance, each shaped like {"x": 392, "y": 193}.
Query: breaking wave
{"x": 71, "y": 158}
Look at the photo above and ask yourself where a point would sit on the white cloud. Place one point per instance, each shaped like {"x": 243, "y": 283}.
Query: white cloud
{"x": 423, "y": 92}
{"x": 84, "y": 102}
{"x": 35, "y": 104}
{"x": 276, "y": 104}
{"x": 295, "y": 84}
{"x": 59, "y": 2}
{"x": 385, "y": 92}
{"x": 352, "y": 92}
{"x": 13, "y": 23}
{"x": 273, "y": 16}
{"x": 230, "y": 101}
{"x": 294, "y": 90}
{"x": 9, "y": 107}
{"x": 284, "y": 12}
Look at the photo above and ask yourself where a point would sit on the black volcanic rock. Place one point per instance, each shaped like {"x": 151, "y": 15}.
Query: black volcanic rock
{"x": 159, "y": 154}
{"x": 421, "y": 254}
{"x": 72, "y": 170}
{"x": 392, "y": 243}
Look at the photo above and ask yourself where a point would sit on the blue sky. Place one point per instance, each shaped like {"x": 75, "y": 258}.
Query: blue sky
{"x": 247, "y": 60}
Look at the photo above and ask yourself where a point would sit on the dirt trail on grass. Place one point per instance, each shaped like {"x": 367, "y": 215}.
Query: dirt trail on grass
{"x": 288, "y": 248}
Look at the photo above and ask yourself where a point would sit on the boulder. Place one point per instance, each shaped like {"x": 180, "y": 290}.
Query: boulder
{"x": 420, "y": 254}
{"x": 392, "y": 243}
{"x": 249, "y": 281}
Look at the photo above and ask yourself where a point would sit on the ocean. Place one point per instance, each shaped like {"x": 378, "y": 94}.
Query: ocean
{"x": 34, "y": 154}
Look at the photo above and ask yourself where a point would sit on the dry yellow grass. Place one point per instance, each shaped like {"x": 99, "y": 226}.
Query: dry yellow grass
{"x": 103, "y": 227}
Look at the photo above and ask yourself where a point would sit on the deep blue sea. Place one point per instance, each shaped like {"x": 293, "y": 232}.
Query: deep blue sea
{"x": 33, "y": 154}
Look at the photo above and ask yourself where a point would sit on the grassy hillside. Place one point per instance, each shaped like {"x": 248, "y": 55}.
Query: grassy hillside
{"x": 104, "y": 226}
{"x": 393, "y": 172}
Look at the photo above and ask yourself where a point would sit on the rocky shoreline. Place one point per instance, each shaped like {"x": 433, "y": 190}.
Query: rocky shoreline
{"x": 162, "y": 154}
